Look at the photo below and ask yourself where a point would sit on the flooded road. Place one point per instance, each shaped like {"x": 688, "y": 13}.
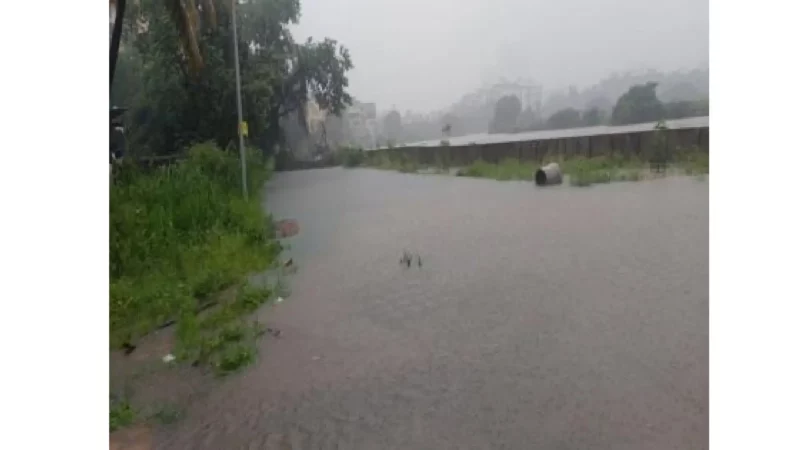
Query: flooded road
{"x": 559, "y": 318}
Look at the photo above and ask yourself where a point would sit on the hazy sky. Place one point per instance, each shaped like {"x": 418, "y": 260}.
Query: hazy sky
{"x": 424, "y": 54}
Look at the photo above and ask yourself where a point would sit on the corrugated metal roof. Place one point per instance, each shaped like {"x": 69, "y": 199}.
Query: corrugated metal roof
{"x": 485, "y": 138}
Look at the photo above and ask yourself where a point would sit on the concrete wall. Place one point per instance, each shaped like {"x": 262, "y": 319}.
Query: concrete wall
{"x": 624, "y": 144}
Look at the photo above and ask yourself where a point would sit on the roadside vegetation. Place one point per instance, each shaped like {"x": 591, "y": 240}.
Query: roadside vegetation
{"x": 183, "y": 242}
{"x": 658, "y": 159}
{"x": 350, "y": 156}
{"x": 580, "y": 171}
{"x": 183, "y": 239}
{"x": 179, "y": 236}
{"x": 506, "y": 170}
{"x": 603, "y": 169}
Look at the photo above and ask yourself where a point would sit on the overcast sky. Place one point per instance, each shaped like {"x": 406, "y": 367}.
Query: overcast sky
{"x": 424, "y": 54}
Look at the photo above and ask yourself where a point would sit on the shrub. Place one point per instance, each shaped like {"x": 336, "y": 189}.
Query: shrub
{"x": 351, "y": 156}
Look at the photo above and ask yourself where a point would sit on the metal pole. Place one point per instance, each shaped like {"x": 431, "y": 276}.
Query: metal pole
{"x": 242, "y": 154}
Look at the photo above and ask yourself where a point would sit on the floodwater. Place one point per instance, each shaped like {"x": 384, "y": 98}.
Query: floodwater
{"x": 486, "y": 138}
{"x": 558, "y": 318}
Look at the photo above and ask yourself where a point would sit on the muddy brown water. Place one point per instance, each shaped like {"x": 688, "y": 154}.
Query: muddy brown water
{"x": 557, "y": 318}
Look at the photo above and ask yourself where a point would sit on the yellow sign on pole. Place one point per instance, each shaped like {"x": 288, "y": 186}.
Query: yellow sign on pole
{"x": 243, "y": 128}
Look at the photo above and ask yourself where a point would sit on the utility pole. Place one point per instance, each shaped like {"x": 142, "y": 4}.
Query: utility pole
{"x": 242, "y": 154}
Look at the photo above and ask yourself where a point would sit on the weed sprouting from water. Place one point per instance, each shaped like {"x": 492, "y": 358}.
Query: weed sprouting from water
{"x": 168, "y": 414}
{"x": 234, "y": 358}
{"x": 209, "y": 338}
{"x": 505, "y": 170}
{"x": 121, "y": 414}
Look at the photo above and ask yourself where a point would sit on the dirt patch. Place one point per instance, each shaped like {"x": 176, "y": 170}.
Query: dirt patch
{"x": 150, "y": 386}
{"x": 138, "y": 437}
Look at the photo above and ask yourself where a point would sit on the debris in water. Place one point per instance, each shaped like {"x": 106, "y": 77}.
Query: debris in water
{"x": 315, "y": 358}
{"x": 128, "y": 347}
{"x": 287, "y": 228}
{"x": 289, "y": 267}
{"x": 408, "y": 258}
{"x": 274, "y": 332}
{"x": 168, "y": 358}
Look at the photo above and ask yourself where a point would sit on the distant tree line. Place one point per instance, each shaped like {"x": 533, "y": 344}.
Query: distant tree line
{"x": 639, "y": 104}
{"x": 640, "y": 97}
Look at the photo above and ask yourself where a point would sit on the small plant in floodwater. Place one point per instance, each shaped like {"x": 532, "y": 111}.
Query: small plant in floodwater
{"x": 121, "y": 414}
{"x": 251, "y": 297}
{"x": 168, "y": 414}
{"x": 351, "y": 156}
{"x": 234, "y": 358}
{"x": 206, "y": 338}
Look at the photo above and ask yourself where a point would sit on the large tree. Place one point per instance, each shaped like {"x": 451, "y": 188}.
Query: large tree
{"x": 566, "y": 118}
{"x": 506, "y": 114}
{"x": 681, "y": 109}
{"x": 593, "y": 117}
{"x": 186, "y": 88}
{"x": 640, "y": 104}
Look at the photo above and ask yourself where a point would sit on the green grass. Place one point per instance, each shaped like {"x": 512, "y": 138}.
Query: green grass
{"x": 507, "y": 169}
{"x": 182, "y": 237}
{"x": 179, "y": 236}
{"x": 580, "y": 171}
{"x": 602, "y": 164}
{"x": 693, "y": 160}
{"x": 122, "y": 415}
{"x": 397, "y": 161}
{"x": 603, "y": 169}
{"x": 350, "y": 156}
{"x": 222, "y": 337}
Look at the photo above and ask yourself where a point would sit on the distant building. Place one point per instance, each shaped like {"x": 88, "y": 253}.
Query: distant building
{"x": 528, "y": 92}
{"x": 362, "y": 125}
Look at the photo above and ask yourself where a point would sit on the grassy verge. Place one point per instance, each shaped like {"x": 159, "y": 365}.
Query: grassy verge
{"x": 182, "y": 238}
{"x": 694, "y": 161}
{"x": 579, "y": 170}
{"x": 123, "y": 414}
{"x": 179, "y": 235}
{"x": 223, "y": 337}
{"x": 350, "y": 156}
{"x": 392, "y": 161}
{"x": 507, "y": 169}
{"x": 603, "y": 169}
